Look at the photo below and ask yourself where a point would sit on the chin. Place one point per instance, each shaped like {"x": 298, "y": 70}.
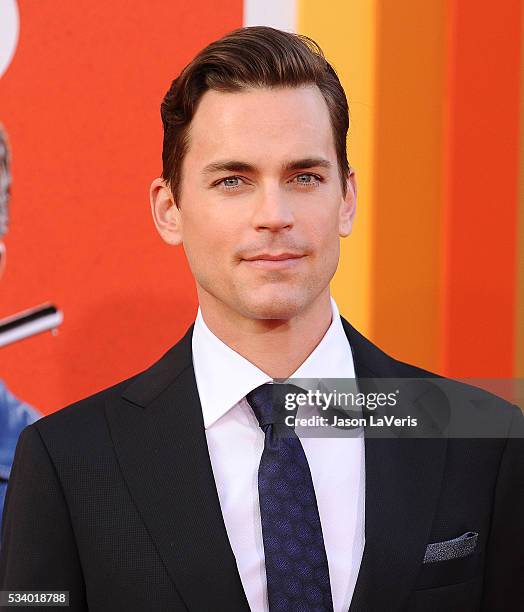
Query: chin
{"x": 275, "y": 308}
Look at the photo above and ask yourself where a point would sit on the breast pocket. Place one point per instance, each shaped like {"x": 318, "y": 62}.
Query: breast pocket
{"x": 450, "y": 562}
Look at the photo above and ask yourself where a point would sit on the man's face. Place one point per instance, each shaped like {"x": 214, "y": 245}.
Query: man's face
{"x": 260, "y": 179}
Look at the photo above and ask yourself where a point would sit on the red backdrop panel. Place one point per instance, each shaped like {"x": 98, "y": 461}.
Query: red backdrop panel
{"x": 80, "y": 103}
{"x": 482, "y": 165}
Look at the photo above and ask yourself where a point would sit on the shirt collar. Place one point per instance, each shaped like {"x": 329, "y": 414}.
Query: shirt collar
{"x": 224, "y": 377}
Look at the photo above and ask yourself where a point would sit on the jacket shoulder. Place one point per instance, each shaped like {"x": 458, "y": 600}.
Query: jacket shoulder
{"x": 83, "y": 418}
{"x": 463, "y": 397}
{"x": 86, "y": 418}
{"x": 472, "y": 403}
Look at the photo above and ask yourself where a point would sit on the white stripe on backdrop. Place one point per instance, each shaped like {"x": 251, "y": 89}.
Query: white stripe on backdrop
{"x": 279, "y": 14}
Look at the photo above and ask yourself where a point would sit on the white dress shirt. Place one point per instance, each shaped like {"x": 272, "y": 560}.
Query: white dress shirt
{"x": 235, "y": 442}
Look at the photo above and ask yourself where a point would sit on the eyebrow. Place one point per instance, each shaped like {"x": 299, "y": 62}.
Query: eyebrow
{"x": 239, "y": 166}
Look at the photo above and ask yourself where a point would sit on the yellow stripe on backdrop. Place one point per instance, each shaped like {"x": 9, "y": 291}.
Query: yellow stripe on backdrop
{"x": 390, "y": 57}
{"x": 346, "y": 32}
{"x": 409, "y": 167}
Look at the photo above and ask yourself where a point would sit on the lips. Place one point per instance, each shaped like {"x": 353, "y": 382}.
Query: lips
{"x": 275, "y": 262}
{"x": 279, "y": 257}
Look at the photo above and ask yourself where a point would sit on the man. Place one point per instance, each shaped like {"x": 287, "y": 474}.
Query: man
{"x": 14, "y": 414}
{"x": 175, "y": 489}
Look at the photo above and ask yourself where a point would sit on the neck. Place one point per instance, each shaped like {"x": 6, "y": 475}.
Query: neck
{"x": 276, "y": 346}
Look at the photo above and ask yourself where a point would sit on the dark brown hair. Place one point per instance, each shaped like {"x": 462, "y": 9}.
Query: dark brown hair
{"x": 256, "y": 56}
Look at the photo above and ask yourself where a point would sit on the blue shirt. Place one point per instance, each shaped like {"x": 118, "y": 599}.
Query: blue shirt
{"x": 14, "y": 416}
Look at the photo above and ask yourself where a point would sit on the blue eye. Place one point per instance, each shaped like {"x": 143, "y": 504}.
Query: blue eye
{"x": 229, "y": 183}
{"x": 307, "y": 180}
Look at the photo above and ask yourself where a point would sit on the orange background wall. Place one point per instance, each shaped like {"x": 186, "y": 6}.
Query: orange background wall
{"x": 434, "y": 270}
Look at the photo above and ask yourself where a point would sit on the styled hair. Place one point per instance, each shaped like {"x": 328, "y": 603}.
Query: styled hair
{"x": 251, "y": 57}
{"x": 5, "y": 181}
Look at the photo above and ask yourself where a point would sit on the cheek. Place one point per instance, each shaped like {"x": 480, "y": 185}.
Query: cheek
{"x": 325, "y": 232}
{"x": 327, "y": 244}
{"x": 208, "y": 244}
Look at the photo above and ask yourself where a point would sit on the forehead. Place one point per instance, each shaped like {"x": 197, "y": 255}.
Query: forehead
{"x": 261, "y": 123}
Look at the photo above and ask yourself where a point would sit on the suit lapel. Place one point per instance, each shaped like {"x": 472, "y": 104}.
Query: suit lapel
{"x": 403, "y": 480}
{"x": 159, "y": 438}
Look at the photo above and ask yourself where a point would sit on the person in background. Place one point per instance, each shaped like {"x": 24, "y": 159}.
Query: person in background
{"x": 14, "y": 414}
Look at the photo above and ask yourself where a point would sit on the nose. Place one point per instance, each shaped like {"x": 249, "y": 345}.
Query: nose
{"x": 272, "y": 210}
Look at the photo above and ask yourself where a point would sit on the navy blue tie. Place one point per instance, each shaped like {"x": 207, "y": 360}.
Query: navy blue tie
{"x": 296, "y": 563}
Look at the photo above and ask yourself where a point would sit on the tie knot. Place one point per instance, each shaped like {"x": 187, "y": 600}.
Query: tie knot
{"x": 270, "y": 404}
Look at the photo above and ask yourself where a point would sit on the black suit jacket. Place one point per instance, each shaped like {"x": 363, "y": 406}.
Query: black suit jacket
{"x": 113, "y": 499}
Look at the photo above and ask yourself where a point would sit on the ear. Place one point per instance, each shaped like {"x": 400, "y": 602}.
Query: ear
{"x": 348, "y": 206}
{"x": 166, "y": 215}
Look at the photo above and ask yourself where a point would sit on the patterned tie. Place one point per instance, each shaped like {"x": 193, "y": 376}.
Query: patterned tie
{"x": 296, "y": 563}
